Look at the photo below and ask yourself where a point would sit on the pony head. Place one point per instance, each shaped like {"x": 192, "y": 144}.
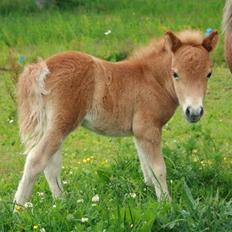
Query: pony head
{"x": 191, "y": 69}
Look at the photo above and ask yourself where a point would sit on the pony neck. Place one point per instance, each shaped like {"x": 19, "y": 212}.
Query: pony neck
{"x": 157, "y": 66}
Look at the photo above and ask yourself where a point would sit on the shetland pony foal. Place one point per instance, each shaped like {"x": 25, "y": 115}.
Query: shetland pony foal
{"x": 133, "y": 97}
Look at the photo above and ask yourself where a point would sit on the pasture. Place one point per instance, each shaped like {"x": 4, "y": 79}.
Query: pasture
{"x": 198, "y": 156}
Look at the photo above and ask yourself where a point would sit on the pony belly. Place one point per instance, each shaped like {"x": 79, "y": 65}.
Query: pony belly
{"x": 107, "y": 126}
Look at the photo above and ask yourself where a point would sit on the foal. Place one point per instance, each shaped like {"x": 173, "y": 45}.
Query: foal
{"x": 133, "y": 97}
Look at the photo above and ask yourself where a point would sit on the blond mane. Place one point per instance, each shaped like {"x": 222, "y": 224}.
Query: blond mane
{"x": 156, "y": 46}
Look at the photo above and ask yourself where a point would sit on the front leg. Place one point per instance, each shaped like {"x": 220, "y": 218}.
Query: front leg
{"x": 148, "y": 143}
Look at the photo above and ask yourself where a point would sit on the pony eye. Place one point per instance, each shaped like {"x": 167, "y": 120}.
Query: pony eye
{"x": 209, "y": 75}
{"x": 175, "y": 76}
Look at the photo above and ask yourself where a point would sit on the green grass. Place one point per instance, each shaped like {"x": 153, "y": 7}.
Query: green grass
{"x": 198, "y": 157}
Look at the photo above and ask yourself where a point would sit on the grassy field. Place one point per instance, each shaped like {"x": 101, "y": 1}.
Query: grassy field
{"x": 198, "y": 157}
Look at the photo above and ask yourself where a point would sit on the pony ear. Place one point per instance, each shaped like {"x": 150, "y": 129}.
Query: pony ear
{"x": 172, "y": 42}
{"x": 210, "y": 42}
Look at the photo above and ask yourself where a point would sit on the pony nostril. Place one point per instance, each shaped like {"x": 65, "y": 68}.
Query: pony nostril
{"x": 194, "y": 114}
{"x": 201, "y": 111}
{"x": 187, "y": 112}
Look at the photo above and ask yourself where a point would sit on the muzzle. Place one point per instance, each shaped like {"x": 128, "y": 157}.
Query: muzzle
{"x": 194, "y": 115}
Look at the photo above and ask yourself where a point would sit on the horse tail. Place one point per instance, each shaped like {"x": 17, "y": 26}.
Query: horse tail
{"x": 31, "y": 103}
{"x": 227, "y": 28}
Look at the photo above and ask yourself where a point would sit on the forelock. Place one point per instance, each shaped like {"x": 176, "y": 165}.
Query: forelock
{"x": 193, "y": 38}
{"x": 192, "y": 58}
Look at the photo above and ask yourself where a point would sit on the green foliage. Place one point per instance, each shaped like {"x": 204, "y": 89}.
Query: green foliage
{"x": 198, "y": 157}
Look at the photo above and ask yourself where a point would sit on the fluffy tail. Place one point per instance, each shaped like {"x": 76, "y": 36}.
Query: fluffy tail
{"x": 227, "y": 28}
{"x": 31, "y": 104}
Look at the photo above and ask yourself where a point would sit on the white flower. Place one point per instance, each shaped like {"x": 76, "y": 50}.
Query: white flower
{"x": 28, "y": 205}
{"x": 133, "y": 195}
{"x": 95, "y": 198}
{"x": 84, "y": 219}
{"x": 41, "y": 194}
{"x": 65, "y": 182}
{"x": 54, "y": 206}
{"x": 11, "y": 121}
{"x": 80, "y": 201}
{"x": 42, "y": 230}
{"x": 107, "y": 32}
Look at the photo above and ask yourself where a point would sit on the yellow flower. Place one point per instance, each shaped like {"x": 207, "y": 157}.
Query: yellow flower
{"x": 194, "y": 151}
{"x": 105, "y": 161}
{"x": 206, "y": 162}
{"x": 84, "y": 160}
{"x": 195, "y": 159}
{"x": 35, "y": 227}
{"x": 210, "y": 162}
{"x": 203, "y": 163}
{"x": 18, "y": 208}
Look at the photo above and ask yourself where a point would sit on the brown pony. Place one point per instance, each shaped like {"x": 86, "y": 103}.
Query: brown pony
{"x": 227, "y": 27}
{"x": 132, "y": 97}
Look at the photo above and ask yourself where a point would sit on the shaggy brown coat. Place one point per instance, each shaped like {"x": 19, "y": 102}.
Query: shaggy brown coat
{"x": 132, "y": 97}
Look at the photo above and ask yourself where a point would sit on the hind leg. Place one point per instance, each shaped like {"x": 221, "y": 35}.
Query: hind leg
{"x": 52, "y": 174}
{"x": 36, "y": 162}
